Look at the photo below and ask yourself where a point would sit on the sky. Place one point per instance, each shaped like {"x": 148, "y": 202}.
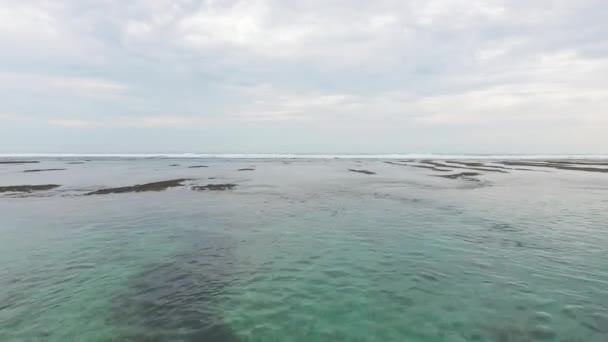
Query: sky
{"x": 309, "y": 76}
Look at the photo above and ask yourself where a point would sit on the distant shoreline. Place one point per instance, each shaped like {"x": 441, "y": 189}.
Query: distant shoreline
{"x": 301, "y": 156}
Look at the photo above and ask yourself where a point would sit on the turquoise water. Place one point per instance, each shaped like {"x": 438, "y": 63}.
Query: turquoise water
{"x": 303, "y": 251}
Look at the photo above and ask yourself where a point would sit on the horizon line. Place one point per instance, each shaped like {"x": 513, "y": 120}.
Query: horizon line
{"x": 311, "y": 155}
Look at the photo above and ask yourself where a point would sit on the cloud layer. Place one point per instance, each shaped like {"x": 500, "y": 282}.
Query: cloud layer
{"x": 445, "y": 76}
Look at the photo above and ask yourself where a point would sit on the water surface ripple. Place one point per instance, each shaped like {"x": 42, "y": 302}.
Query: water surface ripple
{"x": 304, "y": 251}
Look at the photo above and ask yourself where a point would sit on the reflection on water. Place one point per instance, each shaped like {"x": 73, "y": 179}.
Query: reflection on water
{"x": 305, "y": 251}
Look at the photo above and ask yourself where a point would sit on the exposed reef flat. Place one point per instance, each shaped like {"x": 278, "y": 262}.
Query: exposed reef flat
{"x": 466, "y": 175}
{"x": 419, "y": 166}
{"x": 214, "y": 187}
{"x": 28, "y": 188}
{"x": 558, "y": 165}
{"x": 446, "y": 168}
{"x": 430, "y": 168}
{"x": 362, "y": 171}
{"x": 477, "y": 164}
{"x": 156, "y": 186}
{"x": 19, "y": 162}
{"x": 579, "y": 162}
{"x": 449, "y": 165}
{"x": 487, "y": 168}
{"x": 43, "y": 170}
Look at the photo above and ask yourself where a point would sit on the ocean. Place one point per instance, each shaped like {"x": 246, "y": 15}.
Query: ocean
{"x": 303, "y": 248}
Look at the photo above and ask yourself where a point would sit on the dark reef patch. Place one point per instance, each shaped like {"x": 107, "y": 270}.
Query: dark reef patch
{"x": 43, "y": 170}
{"x": 178, "y": 299}
{"x": 506, "y": 334}
{"x": 602, "y": 162}
{"x": 28, "y": 188}
{"x": 467, "y": 163}
{"x": 214, "y": 187}
{"x": 463, "y": 175}
{"x": 487, "y": 169}
{"x": 362, "y": 171}
{"x": 156, "y": 186}
{"x": 19, "y": 162}
{"x": 504, "y": 227}
{"x": 434, "y": 163}
{"x": 557, "y": 165}
{"x": 431, "y": 168}
{"x": 420, "y": 166}
{"x": 477, "y": 164}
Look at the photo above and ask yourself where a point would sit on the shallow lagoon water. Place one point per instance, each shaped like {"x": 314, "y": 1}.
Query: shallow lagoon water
{"x": 302, "y": 250}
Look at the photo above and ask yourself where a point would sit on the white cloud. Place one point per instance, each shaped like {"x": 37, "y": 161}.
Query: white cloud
{"x": 6, "y": 116}
{"x": 28, "y": 21}
{"x": 384, "y": 64}
{"x": 69, "y": 123}
{"x": 91, "y": 86}
{"x": 270, "y": 29}
{"x": 527, "y": 106}
{"x": 84, "y": 86}
{"x": 161, "y": 122}
{"x": 458, "y": 13}
{"x": 559, "y": 89}
{"x": 39, "y": 30}
{"x": 53, "y": 121}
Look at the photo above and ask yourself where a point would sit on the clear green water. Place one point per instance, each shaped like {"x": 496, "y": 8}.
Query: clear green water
{"x": 304, "y": 251}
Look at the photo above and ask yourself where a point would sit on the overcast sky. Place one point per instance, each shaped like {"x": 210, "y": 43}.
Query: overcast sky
{"x": 394, "y": 76}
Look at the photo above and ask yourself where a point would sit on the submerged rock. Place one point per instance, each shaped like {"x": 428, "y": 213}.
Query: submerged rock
{"x": 28, "y": 188}
{"x": 508, "y": 334}
{"x": 43, "y": 170}
{"x": 156, "y": 186}
{"x": 542, "y": 316}
{"x": 428, "y": 276}
{"x": 362, "y": 171}
{"x": 542, "y": 332}
{"x": 214, "y": 187}
{"x": 505, "y": 227}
